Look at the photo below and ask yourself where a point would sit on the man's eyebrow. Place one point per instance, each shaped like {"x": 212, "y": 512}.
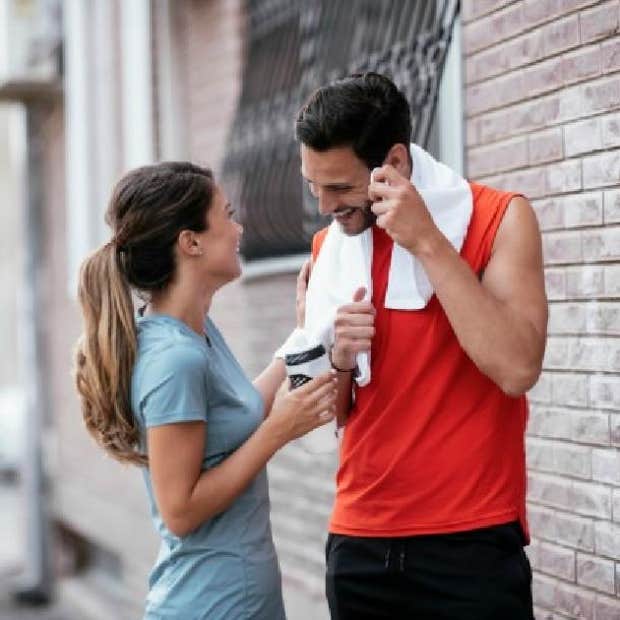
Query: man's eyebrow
{"x": 331, "y": 185}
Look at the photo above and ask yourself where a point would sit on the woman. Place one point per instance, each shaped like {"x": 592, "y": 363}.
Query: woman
{"x": 164, "y": 391}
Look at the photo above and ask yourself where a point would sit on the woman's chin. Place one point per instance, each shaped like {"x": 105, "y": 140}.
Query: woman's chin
{"x": 236, "y": 271}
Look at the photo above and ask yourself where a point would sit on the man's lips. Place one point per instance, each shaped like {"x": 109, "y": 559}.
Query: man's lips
{"x": 344, "y": 213}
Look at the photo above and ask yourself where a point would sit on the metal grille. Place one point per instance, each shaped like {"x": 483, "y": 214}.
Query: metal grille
{"x": 294, "y": 46}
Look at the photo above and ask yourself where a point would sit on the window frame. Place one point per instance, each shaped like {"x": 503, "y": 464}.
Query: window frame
{"x": 451, "y": 130}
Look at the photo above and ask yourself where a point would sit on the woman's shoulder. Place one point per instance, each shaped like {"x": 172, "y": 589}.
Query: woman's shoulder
{"x": 165, "y": 347}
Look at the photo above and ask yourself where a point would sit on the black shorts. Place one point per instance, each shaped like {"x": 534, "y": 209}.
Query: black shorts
{"x": 477, "y": 575}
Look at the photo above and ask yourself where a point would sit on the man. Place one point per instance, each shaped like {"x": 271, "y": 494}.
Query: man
{"x": 429, "y": 517}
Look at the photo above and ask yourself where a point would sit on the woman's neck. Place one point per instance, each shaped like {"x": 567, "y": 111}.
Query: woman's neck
{"x": 191, "y": 308}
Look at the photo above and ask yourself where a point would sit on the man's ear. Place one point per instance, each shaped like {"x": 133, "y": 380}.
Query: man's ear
{"x": 189, "y": 244}
{"x": 398, "y": 157}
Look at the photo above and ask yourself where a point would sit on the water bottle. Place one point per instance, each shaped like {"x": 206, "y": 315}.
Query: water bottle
{"x": 301, "y": 367}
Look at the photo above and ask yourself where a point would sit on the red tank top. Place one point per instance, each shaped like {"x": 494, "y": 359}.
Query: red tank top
{"x": 431, "y": 445}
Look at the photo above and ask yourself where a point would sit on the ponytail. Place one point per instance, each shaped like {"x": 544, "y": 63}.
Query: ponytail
{"x": 105, "y": 355}
{"x": 149, "y": 208}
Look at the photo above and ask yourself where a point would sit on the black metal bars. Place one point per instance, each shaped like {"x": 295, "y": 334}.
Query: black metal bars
{"x": 294, "y": 46}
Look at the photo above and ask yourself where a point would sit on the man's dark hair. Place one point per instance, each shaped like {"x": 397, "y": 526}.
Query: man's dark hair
{"x": 364, "y": 111}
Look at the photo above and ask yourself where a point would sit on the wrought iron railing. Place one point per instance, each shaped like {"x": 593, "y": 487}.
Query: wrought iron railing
{"x": 293, "y": 46}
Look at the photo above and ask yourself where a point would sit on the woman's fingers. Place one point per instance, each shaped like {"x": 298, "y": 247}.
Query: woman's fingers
{"x": 323, "y": 396}
{"x": 318, "y": 399}
{"x": 327, "y": 378}
{"x": 324, "y": 417}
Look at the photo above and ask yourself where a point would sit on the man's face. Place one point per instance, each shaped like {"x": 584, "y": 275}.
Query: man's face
{"x": 339, "y": 180}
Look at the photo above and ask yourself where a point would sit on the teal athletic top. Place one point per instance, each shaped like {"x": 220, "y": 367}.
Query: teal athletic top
{"x": 227, "y": 568}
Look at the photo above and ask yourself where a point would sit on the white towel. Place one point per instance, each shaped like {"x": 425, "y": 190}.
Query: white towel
{"x": 344, "y": 263}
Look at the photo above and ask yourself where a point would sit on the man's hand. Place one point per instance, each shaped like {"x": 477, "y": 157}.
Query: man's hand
{"x": 302, "y": 289}
{"x": 353, "y": 331}
{"x": 400, "y": 210}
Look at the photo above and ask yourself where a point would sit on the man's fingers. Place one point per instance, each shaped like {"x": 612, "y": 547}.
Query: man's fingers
{"x": 382, "y": 207}
{"x": 356, "y": 319}
{"x": 355, "y": 346}
{"x": 359, "y": 294}
{"x": 381, "y": 222}
{"x": 359, "y": 307}
{"x": 387, "y": 174}
{"x": 355, "y": 332}
{"x": 378, "y": 191}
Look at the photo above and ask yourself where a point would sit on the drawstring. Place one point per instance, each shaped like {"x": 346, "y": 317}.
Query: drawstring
{"x": 402, "y": 557}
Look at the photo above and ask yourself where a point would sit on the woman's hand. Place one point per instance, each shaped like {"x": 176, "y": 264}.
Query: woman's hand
{"x": 300, "y": 296}
{"x": 299, "y": 411}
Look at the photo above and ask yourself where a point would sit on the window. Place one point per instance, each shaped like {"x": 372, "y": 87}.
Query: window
{"x": 292, "y": 48}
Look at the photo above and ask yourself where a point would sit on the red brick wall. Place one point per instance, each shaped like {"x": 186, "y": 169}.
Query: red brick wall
{"x": 543, "y": 116}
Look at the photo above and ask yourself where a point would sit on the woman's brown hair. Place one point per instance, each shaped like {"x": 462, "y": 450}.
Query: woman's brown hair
{"x": 149, "y": 207}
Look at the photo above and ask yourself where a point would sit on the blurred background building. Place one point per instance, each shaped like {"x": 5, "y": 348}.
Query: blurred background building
{"x": 519, "y": 94}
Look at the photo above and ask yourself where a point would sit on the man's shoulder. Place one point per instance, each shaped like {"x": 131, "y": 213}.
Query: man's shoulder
{"x": 486, "y": 195}
{"x": 317, "y": 241}
{"x": 490, "y": 205}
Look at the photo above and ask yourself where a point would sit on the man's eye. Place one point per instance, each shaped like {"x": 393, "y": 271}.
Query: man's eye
{"x": 231, "y": 213}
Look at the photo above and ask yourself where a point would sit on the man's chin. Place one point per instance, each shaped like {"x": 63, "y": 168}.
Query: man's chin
{"x": 353, "y": 230}
{"x": 354, "y": 226}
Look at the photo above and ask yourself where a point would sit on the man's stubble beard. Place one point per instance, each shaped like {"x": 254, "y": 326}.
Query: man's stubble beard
{"x": 368, "y": 219}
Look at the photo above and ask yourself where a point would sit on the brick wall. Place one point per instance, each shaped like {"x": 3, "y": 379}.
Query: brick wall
{"x": 93, "y": 495}
{"x": 214, "y": 46}
{"x": 543, "y": 117}
{"x": 256, "y": 316}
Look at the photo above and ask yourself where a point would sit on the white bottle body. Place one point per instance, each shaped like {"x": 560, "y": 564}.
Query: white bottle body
{"x": 323, "y": 439}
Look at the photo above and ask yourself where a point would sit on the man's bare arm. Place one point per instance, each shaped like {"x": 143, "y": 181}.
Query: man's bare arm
{"x": 501, "y": 322}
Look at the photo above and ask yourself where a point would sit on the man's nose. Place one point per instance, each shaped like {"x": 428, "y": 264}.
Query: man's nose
{"x": 328, "y": 203}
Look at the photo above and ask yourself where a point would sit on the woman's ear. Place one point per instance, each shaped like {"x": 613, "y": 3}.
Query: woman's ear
{"x": 189, "y": 244}
{"x": 398, "y": 157}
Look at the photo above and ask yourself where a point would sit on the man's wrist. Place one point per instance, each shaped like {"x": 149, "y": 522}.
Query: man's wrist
{"x": 342, "y": 363}
{"x": 427, "y": 247}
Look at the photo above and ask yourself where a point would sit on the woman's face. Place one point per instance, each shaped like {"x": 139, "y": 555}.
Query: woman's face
{"x": 221, "y": 240}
